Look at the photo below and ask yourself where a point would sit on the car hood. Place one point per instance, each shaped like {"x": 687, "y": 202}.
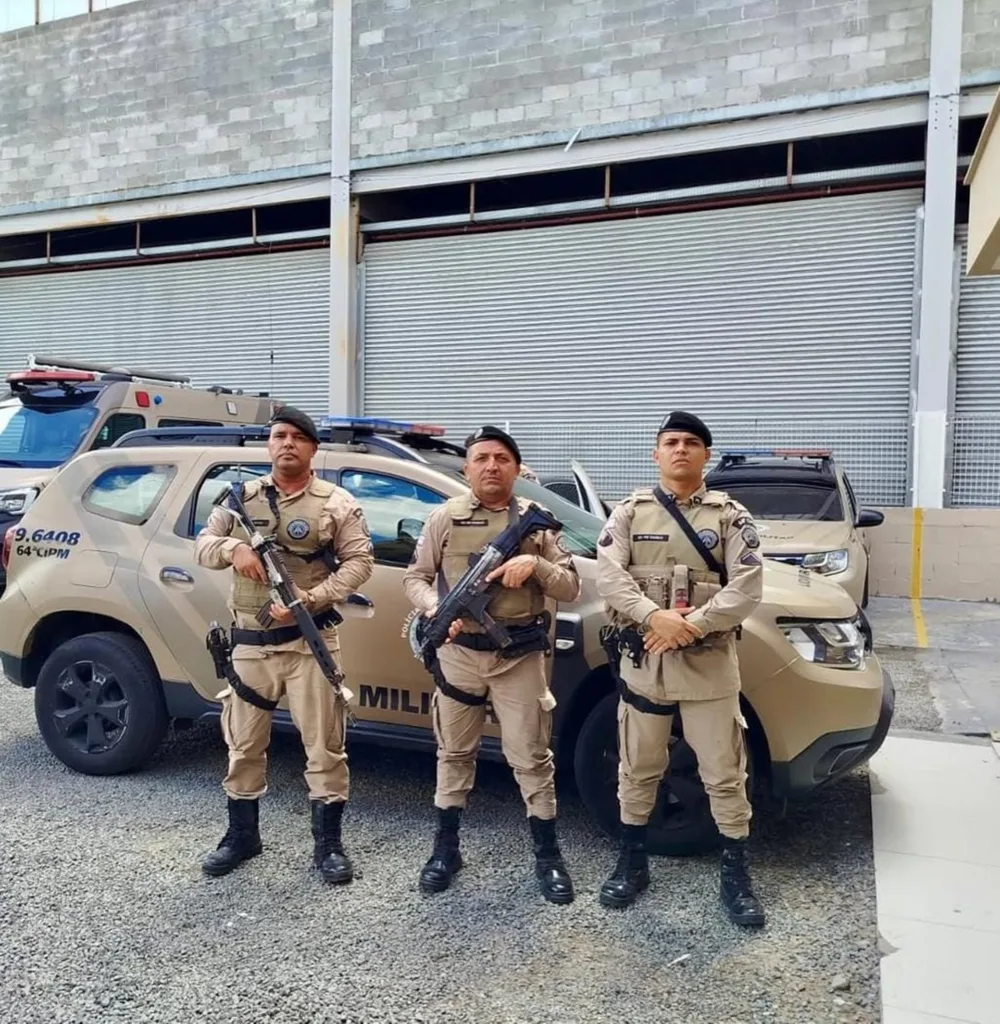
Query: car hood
{"x": 800, "y": 536}
{"x": 11, "y": 477}
{"x": 788, "y": 590}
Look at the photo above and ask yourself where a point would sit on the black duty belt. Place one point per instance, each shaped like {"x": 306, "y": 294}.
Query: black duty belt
{"x": 281, "y": 635}
{"x": 644, "y": 704}
{"x": 524, "y": 639}
{"x": 462, "y": 696}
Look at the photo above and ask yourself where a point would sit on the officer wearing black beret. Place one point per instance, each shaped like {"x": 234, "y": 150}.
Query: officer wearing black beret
{"x": 679, "y": 569}
{"x": 475, "y": 670}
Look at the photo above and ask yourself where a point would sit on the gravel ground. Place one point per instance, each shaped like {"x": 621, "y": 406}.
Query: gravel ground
{"x": 912, "y": 672}
{"x": 105, "y": 916}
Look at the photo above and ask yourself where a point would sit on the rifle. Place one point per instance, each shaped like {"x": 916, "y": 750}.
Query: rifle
{"x": 281, "y": 586}
{"x": 472, "y": 594}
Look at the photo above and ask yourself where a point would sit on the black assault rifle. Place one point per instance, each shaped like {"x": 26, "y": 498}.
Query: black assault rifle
{"x": 282, "y": 592}
{"x": 472, "y": 594}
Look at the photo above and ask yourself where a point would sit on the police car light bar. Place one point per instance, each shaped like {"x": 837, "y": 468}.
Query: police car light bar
{"x": 374, "y": 425}
{"x": 791, "y": 453}
{"x": 47, "y": 376}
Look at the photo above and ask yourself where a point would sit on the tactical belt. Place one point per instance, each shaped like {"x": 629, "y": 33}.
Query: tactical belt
{"x": 282, "y": 635}
{"x": 524, "y": 639}
{"x": 644, "y": 704}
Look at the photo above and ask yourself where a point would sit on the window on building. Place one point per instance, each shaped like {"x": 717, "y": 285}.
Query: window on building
{"x": 117, "y": 425}
{"x": 215, "y": 482}
{"x": 128, "y": 493}
{"x": 52, "y": 10}
{"x": 16, "y": 14}
{"x": 395, "y": 510}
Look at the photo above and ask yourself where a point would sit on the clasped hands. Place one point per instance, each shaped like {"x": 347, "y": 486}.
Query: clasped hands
{"x": 668, "y": 630}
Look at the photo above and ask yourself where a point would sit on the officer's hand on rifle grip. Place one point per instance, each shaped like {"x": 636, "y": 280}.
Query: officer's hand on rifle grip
{"x": 247, "y": 563}
{"x": 515, "y": 572}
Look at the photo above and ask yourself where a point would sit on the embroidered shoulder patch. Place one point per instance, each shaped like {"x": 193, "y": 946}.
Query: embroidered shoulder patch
{"x": 709, "y": 538}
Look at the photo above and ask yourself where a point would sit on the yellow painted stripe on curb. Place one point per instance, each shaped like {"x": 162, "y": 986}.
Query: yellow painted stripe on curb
{"x": 916, "y": 573}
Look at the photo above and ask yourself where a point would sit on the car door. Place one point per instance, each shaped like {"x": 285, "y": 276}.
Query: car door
{"x": 181, "y": 596}
{"x": 391, "y": 684}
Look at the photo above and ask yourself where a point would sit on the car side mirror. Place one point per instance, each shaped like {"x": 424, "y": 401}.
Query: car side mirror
{"x": 868, "y": 517}
{"x": 409, "y": 529}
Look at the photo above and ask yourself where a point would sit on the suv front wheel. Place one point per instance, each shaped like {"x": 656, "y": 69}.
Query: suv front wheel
{"x": 99, "y": 704}
{"x": 681, "y": 823}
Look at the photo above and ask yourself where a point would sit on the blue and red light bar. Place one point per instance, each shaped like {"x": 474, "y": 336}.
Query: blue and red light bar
{"x": 790, "y": 453}
{"x": 373, "y": 425}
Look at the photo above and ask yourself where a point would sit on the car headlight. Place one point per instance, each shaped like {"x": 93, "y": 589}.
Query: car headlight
{"x": 840, "y": 644}
{"x": 827, "y": 562}
{"x": 17, "y": 502}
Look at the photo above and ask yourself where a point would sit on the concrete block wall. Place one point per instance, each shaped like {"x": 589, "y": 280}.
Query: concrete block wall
{"x": 432, "y": 76}
{"x": 980, "y": 37}
{"x": 162, "y": 92}
{"x": 959, "y": 559}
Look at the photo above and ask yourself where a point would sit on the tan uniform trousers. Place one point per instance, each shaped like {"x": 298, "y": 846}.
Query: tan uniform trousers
{"x": 318, "y": 714}
{"x": 714, "y": 731}
{"x": 518, "y": 690}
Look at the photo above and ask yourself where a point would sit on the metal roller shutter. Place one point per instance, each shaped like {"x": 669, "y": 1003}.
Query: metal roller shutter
{"x": 786, "y": 324}
{"x": 975, "y": 476}
{"x": 261, "y": 323}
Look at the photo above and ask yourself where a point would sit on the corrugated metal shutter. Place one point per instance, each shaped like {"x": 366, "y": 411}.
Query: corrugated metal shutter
{"x": 975, "y": 476}
{"x": 788, "y": 323}
{"x": 261, "y": 323}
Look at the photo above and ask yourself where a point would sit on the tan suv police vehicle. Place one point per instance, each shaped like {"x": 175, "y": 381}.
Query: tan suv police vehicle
{"x": 59, "y": 407}
{"x": 106, "y": 611}
{"x": 805, "y": 509}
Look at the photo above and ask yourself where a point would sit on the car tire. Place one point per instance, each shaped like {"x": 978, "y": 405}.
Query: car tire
{"x": 99, "y": 704}
{"x": 681, "y": 824}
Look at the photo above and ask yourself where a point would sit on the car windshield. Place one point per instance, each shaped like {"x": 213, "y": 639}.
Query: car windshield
{"x": 580, "y": 528}
{"x": 41, "y": 438}
{"x": 777, "y": 500}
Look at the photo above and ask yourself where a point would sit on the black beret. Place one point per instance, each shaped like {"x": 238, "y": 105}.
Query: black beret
{"x": 296, "y": 418}
{"x": 494, "y": 434}
{"x": 689, "y": 423}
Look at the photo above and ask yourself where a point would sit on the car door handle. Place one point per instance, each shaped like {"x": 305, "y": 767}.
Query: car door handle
{"x": 171, "y": 574}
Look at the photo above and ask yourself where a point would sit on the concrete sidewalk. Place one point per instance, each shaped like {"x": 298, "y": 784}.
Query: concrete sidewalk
{"x": 936, "y": 828}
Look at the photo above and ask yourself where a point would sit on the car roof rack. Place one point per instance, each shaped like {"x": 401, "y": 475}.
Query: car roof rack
{"x": 404, "y": 440}
{"x": 56, "y": 363}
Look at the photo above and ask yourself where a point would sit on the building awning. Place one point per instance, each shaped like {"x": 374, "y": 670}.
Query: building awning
{"x": 983, "y": 179}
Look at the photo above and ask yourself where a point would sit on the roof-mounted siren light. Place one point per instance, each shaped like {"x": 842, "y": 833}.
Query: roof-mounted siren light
{"x": 374, "y": 425}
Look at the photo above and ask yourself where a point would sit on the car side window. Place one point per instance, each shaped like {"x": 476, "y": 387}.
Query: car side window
{"x": 128, "y": 493}
{"x": 395, "y": 509}
{"x": 215, "y": 482}
{"x": 188, "y": 423}
{"x": 117, "y": 425}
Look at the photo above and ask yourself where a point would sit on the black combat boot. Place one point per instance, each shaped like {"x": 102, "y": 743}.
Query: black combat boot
{"x": 556, "y": 885}
{"x": 328, "y": 853}
{"x": 445, "y": 859}
{"x": 741, "y": 905}
{"x": 631, "y": 873}
{"x": 241, "y": 841}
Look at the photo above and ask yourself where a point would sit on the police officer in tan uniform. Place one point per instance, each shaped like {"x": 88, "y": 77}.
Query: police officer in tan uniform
{"x": 475, "y": 671}
{"x": 679, "y": 569}
{"x": 328, "y": 552}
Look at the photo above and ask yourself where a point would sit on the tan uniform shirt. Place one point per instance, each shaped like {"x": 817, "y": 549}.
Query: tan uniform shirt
{"x": 707, "y": 672}
{"x": 556, "y": 573}
{"x": 342, "y": 526}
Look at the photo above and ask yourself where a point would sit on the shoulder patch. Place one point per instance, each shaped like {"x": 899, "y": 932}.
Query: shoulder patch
{"x": 709, "y": 538}
{"x": 749, "y": 558}
{"x": 750, "y": 537}
{"x": 605, "y": 540}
